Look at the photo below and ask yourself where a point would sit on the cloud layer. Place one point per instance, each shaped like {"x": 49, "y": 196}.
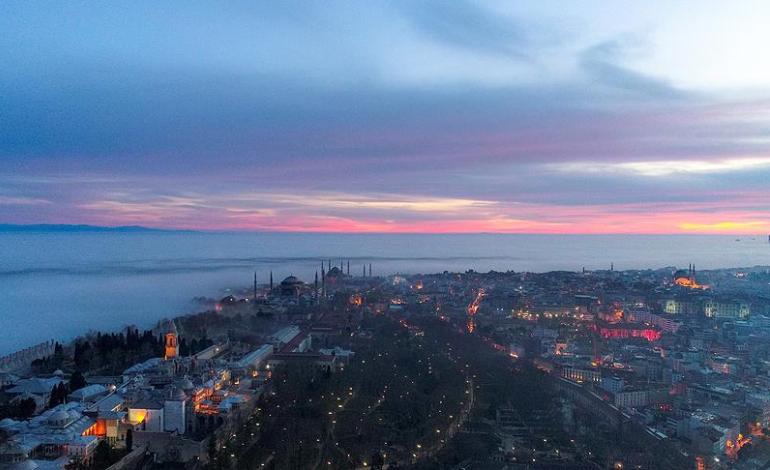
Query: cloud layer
{"x": 384, "y": 116}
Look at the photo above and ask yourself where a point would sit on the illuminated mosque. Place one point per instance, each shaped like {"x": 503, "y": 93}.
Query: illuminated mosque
{"x": 686, "y": 278}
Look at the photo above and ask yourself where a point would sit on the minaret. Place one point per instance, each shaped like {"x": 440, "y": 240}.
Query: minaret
{"x": 255, "y": 289}
{"x": 323, "y": 281}
{"x": 271, "y": 280}
{"x": 370, "y": 269}
{"x": 348, "y": 267}
{"x": 364, "y": 270}
{"x": 315, "y": 285}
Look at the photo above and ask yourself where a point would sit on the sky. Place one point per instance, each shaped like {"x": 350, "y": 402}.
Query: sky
{"x": 392, "y": 116}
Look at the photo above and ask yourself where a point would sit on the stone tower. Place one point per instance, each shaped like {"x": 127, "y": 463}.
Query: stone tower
{"x": 172, "y": 342}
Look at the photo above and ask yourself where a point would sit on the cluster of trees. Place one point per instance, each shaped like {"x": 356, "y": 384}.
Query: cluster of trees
{"x": 200, "y": 322}
{"x": 113, "y": 352}
{"x": 218, "y": 459}
{"x": 195, "y": 346}
{"x": 422, "y": 388}
{"x": 116, "y": 351}
{"x": 344, "y": 412}
{"x": 48, "y": 364}
{"x": 58, "y": 394}
{"x": 294, "y": 418}
{"x": 499, "y": 383}
{"x": 26, "y": 407}
{"x": 21, "y": 409}
{"x": 60, "y": 391}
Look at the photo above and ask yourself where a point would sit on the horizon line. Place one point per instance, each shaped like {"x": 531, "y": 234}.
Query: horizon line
{"x": 73, "y": 227}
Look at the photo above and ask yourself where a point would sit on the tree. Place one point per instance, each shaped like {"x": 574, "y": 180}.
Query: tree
{"x": 212, "y": 448}
{"x": 129, "y": 439}
{"x": 224, "y": 461}
{"x": 377, "y": 461}
{"x": 77, "y": 381}
{"x": 80, "y": 355}
{"x": 184, "y": 349}
{"x": 27, "y": 407}
{"x": 102, "y": 455}
{"x": 58, "y": 395}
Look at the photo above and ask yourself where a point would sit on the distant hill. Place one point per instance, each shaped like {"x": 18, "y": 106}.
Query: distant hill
{"x": 82, "y": 228}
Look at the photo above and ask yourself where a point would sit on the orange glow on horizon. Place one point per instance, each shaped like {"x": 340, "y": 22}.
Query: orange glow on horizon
{"x": 736, "y": 214}
{"x": 722, "y": 227}
{"x": 647, "y": 224}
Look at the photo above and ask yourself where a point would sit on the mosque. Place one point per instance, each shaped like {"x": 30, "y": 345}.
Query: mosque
{"x": 686, "y": 278}
{"x": 291, "y": 286}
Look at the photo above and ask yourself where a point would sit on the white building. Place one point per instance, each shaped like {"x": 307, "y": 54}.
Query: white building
{"x": 57, "y": 434}
{"x": 581, "y": 375}
{"x": 174, "y": 417}
{"x": 255, "y": 359}
{"x": 612, "y": 384}
{"x": 89, "y": 393}
{"x": 734, "y": 309}
{"x": 284, "y": 336}
{"x": 146, "y": 415}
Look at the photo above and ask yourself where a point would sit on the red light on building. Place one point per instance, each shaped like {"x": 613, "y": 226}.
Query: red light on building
{"x": 626, "y": 331}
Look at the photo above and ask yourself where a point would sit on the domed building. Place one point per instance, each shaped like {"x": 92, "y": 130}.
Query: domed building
{"x": 291, "y": 286}
{"x": 185, "y": 385}
{"x": 686, "y": 278}
{"x": 59, "y": 419}
{"x": 681, "y": 276}
{"x": 335, "y": 276}
{"x": 335, "y": 272}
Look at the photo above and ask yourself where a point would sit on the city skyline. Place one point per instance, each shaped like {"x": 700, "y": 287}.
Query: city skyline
{"x": 387, "y": 117}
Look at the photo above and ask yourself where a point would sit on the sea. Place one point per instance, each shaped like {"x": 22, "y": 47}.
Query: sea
{"x": 58, "y": 285}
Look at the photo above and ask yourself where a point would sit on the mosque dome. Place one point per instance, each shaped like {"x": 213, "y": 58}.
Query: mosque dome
{"x": 59, "y": 418}
{"x": 185, "y": 384}
{"x": 177, "y": 395}
{"x": 291, "y": 281}
{"x": 291, "y": 286}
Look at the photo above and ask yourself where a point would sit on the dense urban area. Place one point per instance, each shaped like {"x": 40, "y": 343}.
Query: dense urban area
{"x": 646, "y": 369}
